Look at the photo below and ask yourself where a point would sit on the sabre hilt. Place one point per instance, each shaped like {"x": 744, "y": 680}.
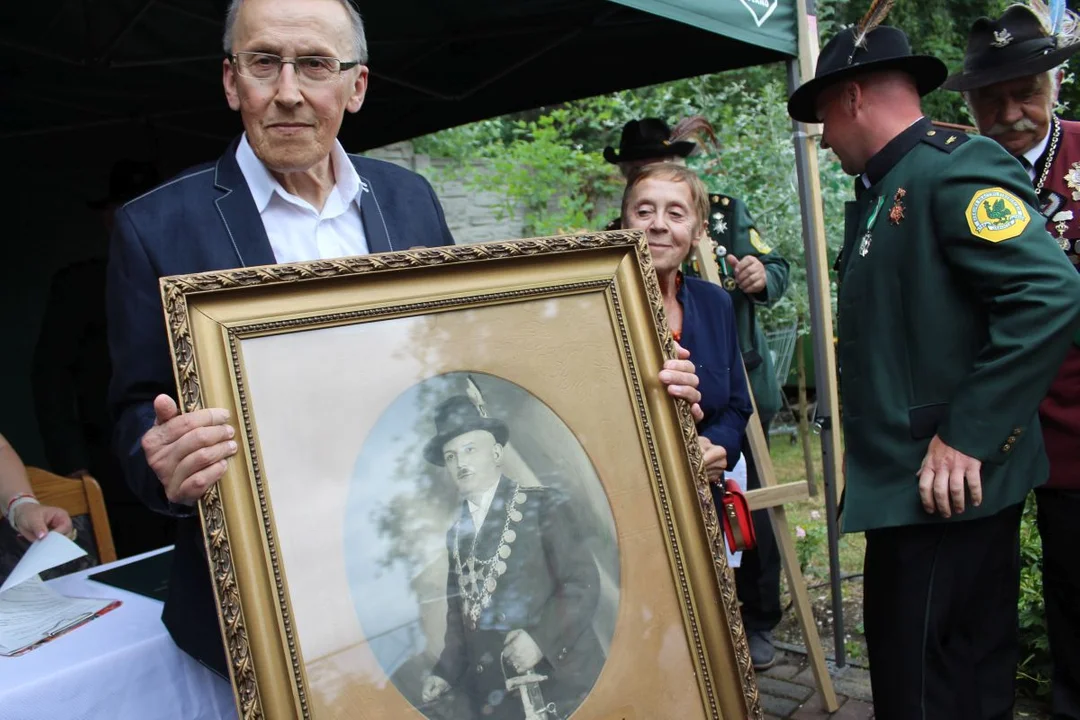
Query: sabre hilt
{"x": 528, "y": 687}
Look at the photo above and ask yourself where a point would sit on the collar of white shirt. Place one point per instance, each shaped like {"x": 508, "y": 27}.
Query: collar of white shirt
{"x": 479, "y": 510}
{"x": 1033, "y": 155}
{"x": 264, "y": 186}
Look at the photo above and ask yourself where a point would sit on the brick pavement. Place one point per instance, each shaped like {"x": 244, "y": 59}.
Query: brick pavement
{"x": 788, "y": 690}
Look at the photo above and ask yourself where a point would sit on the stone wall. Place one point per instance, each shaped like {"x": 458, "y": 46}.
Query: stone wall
{"x": 472, "y": 217}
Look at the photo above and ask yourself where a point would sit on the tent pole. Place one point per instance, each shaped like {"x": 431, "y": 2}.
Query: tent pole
{"x": 821, "y": 324}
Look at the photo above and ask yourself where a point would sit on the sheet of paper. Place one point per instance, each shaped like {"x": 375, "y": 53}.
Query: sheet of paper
{"x": 32, "y": 611}
{"x": 52, "y": 550}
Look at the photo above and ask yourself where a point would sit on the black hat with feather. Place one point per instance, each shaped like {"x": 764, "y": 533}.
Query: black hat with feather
{"x": 866, "y": 47}
{"x": 1025, "y": 40}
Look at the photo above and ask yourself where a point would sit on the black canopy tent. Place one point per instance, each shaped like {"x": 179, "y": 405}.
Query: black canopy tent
{"x": 85, "y": 83}
{"x": 70, "y": 69}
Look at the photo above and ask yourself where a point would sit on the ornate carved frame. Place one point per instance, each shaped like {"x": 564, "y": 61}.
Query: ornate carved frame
{"x": 206, "y": 318}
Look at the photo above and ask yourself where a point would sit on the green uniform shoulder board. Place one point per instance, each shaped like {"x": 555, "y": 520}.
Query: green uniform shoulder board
{"x": 947, "y": 140}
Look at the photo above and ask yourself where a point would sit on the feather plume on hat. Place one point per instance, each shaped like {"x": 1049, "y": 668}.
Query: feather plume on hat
{"x": 873, "y": 17}
{"x": 697, "y": 129}
{"x": 1057, "y": 20}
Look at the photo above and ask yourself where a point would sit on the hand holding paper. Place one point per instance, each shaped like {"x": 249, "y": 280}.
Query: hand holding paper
{"x": 30, "y": 611}
{"x": 53, "y": 550}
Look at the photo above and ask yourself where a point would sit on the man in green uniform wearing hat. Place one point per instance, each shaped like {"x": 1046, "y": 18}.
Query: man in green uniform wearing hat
{"x": 955, "y": 308}
{"x": 1012, "y": 71}
{"x": 754, "y": 274}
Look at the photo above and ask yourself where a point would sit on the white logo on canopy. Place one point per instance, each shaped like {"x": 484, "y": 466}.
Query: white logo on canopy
{"x": 760, "y": 9}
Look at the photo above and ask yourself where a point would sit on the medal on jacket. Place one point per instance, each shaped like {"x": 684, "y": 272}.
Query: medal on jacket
{"x": 1061, "y": 224}
{"x": 1072, "y": 179}
{"x": 728, "y": 282}
{"x": 864, "y": 246}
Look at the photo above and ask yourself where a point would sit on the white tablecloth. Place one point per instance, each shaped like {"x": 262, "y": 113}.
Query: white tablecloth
{"x": 120, "y": 666}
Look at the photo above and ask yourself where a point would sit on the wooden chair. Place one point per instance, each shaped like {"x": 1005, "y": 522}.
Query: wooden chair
{"x": 79, "y": 496}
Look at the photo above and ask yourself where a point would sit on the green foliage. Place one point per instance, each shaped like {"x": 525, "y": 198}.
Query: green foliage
{"x": 550, "y": 162}
{"x": 533, "y": 163}
{"x": 810, "y": 548}
{"x": 1033, "y": 670}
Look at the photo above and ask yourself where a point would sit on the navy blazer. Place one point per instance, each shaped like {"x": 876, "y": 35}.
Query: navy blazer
{"x": 205, "y": 219}
{"x": 710, "y": 334}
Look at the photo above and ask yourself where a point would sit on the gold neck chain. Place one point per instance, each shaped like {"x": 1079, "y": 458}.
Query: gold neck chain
{"x": 1051, "y": 153}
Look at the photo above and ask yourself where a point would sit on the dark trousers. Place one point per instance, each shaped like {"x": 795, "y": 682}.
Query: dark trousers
{"x": 757, "y": 579}
{"x": 939, "y": 608}
{"x": 1059, "y": 527}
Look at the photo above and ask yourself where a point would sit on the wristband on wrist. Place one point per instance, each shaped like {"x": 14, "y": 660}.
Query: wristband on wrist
{"x": 14, "y": 499}
{"x": 13, "y": 505}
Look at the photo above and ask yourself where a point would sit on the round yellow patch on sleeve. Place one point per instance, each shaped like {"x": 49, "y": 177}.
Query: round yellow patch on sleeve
{"x": 995, "y": 214}
{"x": 758, "y": 243}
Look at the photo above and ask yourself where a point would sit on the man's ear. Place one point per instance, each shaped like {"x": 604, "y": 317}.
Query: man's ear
{"x": 851, "y": 96}
{"x": 228, "y": 79}
{"x": 497, "y": 452}
{"x": 359, "y": 90}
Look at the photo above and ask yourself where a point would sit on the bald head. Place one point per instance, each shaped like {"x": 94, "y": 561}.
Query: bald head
{"x": 862, "y": 114}
{"x": 890, "y": 91}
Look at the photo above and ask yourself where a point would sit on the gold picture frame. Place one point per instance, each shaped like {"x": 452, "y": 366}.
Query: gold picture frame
{"x": 324, "y": 530}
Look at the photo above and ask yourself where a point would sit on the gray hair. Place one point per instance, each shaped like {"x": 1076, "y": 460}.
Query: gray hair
{"x": 359, "y": 39}
{"x": 1049, "y": 79}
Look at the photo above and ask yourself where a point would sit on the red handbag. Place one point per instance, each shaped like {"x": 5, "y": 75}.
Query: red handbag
{"x": 735, "y": 516}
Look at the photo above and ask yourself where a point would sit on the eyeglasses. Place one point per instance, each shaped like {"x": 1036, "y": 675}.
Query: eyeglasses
{"x": 267, "y": 67}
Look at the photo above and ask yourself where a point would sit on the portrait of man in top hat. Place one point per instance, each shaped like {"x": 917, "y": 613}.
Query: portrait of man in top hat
{"x": 955, "y": 309}
{"x": 521, "y": 592}
{"x": 1013, "y": 69}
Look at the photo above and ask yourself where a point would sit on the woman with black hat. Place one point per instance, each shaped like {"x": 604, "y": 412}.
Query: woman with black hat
{"x": 669, "y": 203}
{"x": 754, "y": 274}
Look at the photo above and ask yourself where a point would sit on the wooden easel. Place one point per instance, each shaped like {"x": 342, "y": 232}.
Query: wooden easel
{"x": 772, "y": 497}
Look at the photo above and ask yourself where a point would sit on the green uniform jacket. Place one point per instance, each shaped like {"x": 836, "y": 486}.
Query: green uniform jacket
{"x": 954, "y": 315}
{"x": 731, "y": 226}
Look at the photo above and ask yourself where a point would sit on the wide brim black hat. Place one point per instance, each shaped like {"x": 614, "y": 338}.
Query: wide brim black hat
{"x": 885, "y": 48}
{"x": 457, "y": 416}
{"x": 647, "y": 138}
{"x": 1012, "y": 46}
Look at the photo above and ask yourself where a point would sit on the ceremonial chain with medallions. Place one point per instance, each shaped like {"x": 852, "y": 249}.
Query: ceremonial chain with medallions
{"x": 478, "y": 579}
{"x": 1054, "y": 136}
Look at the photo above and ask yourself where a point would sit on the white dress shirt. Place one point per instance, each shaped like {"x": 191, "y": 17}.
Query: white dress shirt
{"x": 479, "y": 510}
{"x": 297, "y": 231}
{"x": 1032, "y": 156}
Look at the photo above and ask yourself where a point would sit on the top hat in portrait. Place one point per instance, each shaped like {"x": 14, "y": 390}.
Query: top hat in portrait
{"x": 128, "y": 179}
{"x": 457, "y": 416}
{"x": 647, "y": 138}
{"x": 1017, "y": 44}
{"x": 852, "y": 53}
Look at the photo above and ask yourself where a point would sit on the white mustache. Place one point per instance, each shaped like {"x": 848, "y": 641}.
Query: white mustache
{"x": 1021, "y": 125}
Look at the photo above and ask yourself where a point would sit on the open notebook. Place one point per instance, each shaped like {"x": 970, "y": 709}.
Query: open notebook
{"x": 32, "y": 613}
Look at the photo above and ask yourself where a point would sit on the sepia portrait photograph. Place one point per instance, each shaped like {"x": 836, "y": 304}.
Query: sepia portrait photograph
{"x": 483, "y": 562}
